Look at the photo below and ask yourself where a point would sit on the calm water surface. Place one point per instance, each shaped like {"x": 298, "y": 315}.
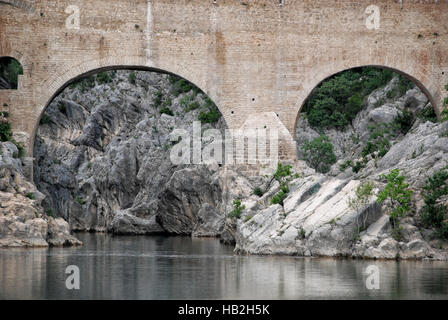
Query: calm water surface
{"x": 185, "y": 268}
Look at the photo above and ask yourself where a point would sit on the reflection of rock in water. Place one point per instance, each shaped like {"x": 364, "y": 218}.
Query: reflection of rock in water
{"x": 192, "y": 268}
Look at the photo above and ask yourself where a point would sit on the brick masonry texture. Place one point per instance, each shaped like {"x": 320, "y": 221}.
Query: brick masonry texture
{"x": 257, "y": 59}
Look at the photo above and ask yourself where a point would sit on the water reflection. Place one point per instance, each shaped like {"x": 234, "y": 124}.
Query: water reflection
{"x": 185, "y": 268}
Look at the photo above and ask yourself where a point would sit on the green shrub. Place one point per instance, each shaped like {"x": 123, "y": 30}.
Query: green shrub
{"x": 337, "y": 101}
{"x": 398, "y": 193}
{"x": 104, "y": 77}
{"x": 45, "y": 119}
{"x": 280, "y": 196}
{"x": 258, "y": 192}
{"x": 185, "y": 101}
{"x": 83, "y": 84}
{"x": 157, "y": 98}
{"x": 62, "y": 108}
{"x": 427, "y": 114}
{"x": 318, "y": 153}
{"x": 5, "y": 131}
{"x": 4, "y": 114}
{"x": 166, "y": 110}
{"x": 80, "y": 201}
{"x": 378, "y": 143}
{"x": 237, "y": 209}
{"x": 248, "y": 218}
{"x": 301, "y": 233}
{"x": 132, "y": 77}
{"x": 345, "y": 165}
{"x": 404, "y": 121}
{"x": 404, "y": 84}
{"x": 282, "y": 172}
{"x": 20, "y": 148}
{"x": 363, "y": 195}
{"x": 31, "y": 196}
{"x": 434, "y": 211}
{"x": 167, "y": 103}
{"x": 211, "y": 115}
{"x": 50, "y": 213}
{"x": 180, "y": 86}
{"x": 358, "y": 166}
{"x": 192, "y": 106}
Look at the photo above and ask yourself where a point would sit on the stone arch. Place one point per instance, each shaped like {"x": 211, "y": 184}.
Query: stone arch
{"x": 423, "y": 87}
{"x": 10, "y": 67}
{"x": 59, "y": 82}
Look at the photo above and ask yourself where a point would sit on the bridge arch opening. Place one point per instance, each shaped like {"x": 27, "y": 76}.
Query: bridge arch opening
{"x": 356, "y": 115}
{"x": 102, "y": 146}
{"x": 114, "y": 68}
{"x": 10, "y": 69}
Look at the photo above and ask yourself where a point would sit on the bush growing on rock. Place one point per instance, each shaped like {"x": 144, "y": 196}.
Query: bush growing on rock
{"x": 6, "y": 135}
{"x": 210, "y": 113}
{"x": 427, "y": 114}
{"x": 363, "y": 195}
{"x": 180, "y": 85}
{"x": 237, "y": 209}
{"x": 434, "y": 212}
{"x": 399, "y": 194}
{"x": 166, "y": 110}
{"x": 30, "y": 195}
{"x": 404, "y": 84}
{"x": 378, "y": 143}
{"x": 404, "y": 121}
{"x": 337, "y": 101}
{"x": 105, "y": 77}
{"x": 5, "y": 131}
{"x": 318, "y": 153}
{"x": 258, "y": 192}
{"x": 283, "y": 171}
{"x": 132, "y": 77}
{"x": 444, "y": 113}
{"x": 281, "y": 196}
{"x": 157, "y": 98}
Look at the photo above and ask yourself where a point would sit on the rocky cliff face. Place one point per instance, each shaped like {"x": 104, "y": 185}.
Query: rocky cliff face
{"x": 316, "y": 219}
{"x": 22, "y": 218}
{"x": 102, "y": 157}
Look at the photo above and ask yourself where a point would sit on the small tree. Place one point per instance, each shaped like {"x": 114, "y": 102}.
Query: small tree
{"x": 318, "y": 153}
{"x": 237, "y": 209}
{"x": 398, "y": 193}
{"x": 434, "y": 213}
{"x": 363, "y": 194}
{"x": 283, "y": 171}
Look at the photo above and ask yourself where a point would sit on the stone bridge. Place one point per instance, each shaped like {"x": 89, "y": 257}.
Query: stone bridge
{"x": 257, "y": 59}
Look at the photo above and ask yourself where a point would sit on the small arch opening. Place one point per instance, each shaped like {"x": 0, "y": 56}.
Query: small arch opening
{"x": 10, "y": 69}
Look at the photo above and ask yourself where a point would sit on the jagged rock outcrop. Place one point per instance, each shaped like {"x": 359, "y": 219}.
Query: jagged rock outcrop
{"x": 109, "y": 167}
{"x": 316, "y": 219}
{"x": 23, "y": 222}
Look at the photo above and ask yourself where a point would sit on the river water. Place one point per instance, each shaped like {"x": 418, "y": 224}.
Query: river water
{"x": 184, "y": 268}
